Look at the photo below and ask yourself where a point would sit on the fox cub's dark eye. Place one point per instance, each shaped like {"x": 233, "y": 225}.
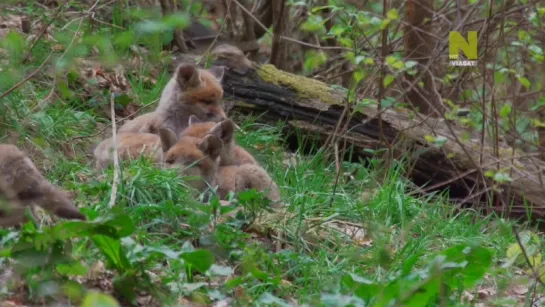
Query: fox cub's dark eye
{"x": 171, "y": 161}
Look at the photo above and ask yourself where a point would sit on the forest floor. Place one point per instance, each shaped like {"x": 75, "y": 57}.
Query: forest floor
{"x": 364, "y": 240}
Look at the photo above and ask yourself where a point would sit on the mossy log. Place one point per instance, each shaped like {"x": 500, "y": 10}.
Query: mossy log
{"x": 460, "y": 165}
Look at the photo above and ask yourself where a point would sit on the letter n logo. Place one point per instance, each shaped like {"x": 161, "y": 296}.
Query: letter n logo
{"x": 457, "y": 42}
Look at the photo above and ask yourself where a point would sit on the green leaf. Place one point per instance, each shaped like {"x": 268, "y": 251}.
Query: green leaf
{"x": 180, "y": 20}
{"x": 219, "y": 270}
{"x": 410, "y": 64}
{"x": 502, "y": 177}
{"x": 314, "y": 23}
{"x": 337, "y": 30}
{"x": 393, "y": 14}
{"x": 395, "y": 63}
{"x": 499, "y": 77}
{"x": 476, "y": 259}
{"x": 14, "y": 43}
{"x": 505, "y": 110}
{"x": 388, "y": 80}
{"x": 270, "y": 300}
{"x": 387, "y": 102}
{"x": 524, "y": 81}
{"x": 72, "y": 269}
{"x": 150, "y": 27}
{"x": 429, "y": 138}
{"x": 369, "y": 61}
{"x": 360, "y": 286}
{"x": 201, "y": 259}
{"x": 513, "y": 250}
{"x": 112, "y": 249}
{"x": 117, "y": 226}
{"x": 96, "y": 299}
{"x": 440, "y": 140}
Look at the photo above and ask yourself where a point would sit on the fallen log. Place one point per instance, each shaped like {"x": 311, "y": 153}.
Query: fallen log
{"x": 461, "y": 165}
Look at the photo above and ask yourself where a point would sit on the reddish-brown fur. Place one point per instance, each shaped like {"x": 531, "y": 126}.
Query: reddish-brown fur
{"x": 145, "y": 123}
{"x": 231, "y": 153}
{"x": 193, "y": 157}
{"x": 191, "y": 91}
{"x": 246, "y": 177}
{"x": 238, "y": 170}
{"x": 129, "y": 146}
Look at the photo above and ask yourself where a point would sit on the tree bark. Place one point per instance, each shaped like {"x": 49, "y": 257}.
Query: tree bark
{"x": 419, "y": 49}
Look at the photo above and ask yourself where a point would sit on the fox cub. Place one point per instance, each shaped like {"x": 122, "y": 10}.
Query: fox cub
{"x": 194, "y": 157}
{"x": 231, "y": 154}
{"x": 129, "y": 146}
{"x": 190, "y": 91}
{"x": 145, "y": 123}
{"x": 238, "y": 170}
{"x": 22, "y": 185}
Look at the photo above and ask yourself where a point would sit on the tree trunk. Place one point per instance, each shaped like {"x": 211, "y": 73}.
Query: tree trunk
{"x": 418, "y": 48}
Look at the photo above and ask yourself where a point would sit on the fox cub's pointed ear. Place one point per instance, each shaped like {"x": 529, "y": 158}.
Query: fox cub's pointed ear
{"x": 168, "y": 138}
{"x": 218, "y": 72}
{"x": 187, "y": 76}
{"x": 211, "y": 146}
{"x": 194, "y": 120}
{"x": 224, "y": 130}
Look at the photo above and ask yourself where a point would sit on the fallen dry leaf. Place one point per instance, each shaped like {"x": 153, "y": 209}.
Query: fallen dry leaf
{"x": 520, "y": 289}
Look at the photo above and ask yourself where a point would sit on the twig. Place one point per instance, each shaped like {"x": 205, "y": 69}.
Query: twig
{"x": 44, "y": 29}
{"x": 205, "y": 54}
{"x": 116, "y": 160}
{"x": 42, "y": 103}
{"x": 16, "y": 86}
{"x": 534, "y": 273}
{"x": 245, "y": 10}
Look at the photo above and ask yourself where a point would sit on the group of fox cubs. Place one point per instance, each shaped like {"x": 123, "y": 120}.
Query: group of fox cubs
{"x": 188, "y": 131}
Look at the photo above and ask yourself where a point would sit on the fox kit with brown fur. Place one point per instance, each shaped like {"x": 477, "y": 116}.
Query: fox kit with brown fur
{"x": 246, "y": 177}
{"x": 22, "y": 184}
{"x": 191, "y": 91}
{"x": 146, "y": 123}
{"x": 194, "y": 157}
{"x": 231, "y": 154}
{"x": 129, "y": 146}
{"x": 238, "y": 170}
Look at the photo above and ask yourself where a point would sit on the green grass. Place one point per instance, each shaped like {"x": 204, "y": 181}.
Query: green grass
{"x": 156, "y": 237}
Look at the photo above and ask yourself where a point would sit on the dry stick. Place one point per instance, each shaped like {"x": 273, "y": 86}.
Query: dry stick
{"x": 116, "y": 161}
{"x": 382, "y": 91}
{"x": 42, "y": 103}
{"x": 534, "y": 273}
{"x": 44, "y": 29}
{"x": 215, "y": 39}
{"x": 16, "y": 86}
